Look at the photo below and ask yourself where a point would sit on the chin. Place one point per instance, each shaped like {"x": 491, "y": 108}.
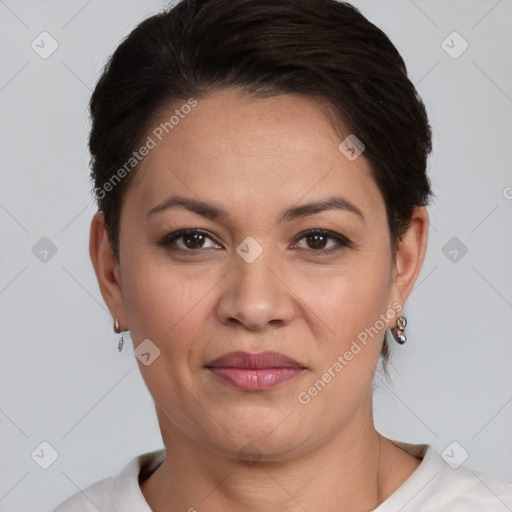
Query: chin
{"x": 263, "y": 434}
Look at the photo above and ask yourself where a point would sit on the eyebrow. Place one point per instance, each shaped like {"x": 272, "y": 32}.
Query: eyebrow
{"x": 211, "y": 211}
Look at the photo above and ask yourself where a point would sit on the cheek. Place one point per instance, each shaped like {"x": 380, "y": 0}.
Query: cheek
{"x": 164, "y": 305}
{"x": 354, "y": 300}
{"x": 160, "y": 302}
{"x": 355, "y": 306}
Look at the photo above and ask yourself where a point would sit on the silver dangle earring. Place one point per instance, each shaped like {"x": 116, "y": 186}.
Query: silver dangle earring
{"x": 399, "y": 331}
{"x": 117, "y": 330}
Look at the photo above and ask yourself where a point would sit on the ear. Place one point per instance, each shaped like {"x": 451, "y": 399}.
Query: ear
{"x": 107, "y": 269}
{"x": 409, "y": 257}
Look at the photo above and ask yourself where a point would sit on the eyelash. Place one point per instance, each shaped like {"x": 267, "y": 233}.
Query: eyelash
{"x": 172, "y": 237}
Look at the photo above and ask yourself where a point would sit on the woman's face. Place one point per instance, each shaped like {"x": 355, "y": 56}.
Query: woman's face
{"x": 253, "y": 279}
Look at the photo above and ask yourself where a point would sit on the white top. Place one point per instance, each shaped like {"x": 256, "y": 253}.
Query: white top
{"x": 433, "y": 487}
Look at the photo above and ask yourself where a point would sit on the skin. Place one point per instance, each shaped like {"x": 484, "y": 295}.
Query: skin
{"x": 255, "y": 158}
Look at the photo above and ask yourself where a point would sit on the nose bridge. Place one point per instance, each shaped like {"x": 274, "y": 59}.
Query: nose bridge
{"x": 255, "y": 295}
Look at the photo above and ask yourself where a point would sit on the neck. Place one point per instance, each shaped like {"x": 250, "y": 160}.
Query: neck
{"x": 351, "y": 472}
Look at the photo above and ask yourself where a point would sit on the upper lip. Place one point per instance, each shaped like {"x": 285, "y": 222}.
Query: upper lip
{"x": 251, "y": 361}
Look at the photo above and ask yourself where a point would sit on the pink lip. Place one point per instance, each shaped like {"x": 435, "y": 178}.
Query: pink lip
{"x": 255, "y": 372}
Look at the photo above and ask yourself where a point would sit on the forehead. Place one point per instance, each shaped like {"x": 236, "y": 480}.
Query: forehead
{"x": 252, "y": 151}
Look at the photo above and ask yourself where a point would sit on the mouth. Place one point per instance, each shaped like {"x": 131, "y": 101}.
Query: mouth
{"x": 255, "y": 372}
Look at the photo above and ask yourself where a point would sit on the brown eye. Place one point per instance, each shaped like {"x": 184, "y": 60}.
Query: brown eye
{"x": 193, "y": 240}
{"x": 187, "y": 240}
{"x": 318, "y": 241}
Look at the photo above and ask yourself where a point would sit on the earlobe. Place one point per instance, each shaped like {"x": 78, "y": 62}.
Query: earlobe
{"x": 410, "y": 256}
{"x": 106, "y": 268}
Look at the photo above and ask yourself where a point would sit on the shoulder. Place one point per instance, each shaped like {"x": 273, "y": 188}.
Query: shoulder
{"x": 440, "y": 485}
{"x": 120, "y": 492}
{"x": 463, "y": 489}
{"x": 98, "y": 495}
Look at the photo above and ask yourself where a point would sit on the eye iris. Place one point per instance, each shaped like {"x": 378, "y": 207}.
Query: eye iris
{"x": 318, "y": 241}
{"x": 193, "y": 238}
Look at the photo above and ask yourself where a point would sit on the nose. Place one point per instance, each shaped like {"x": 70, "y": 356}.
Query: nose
{"x": 257, "y": 294}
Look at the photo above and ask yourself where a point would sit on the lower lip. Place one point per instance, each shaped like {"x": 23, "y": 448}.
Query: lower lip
{"x": 256, "y": 379}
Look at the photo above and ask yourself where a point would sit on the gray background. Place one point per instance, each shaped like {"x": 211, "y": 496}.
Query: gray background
{"x": 62, "y": 379}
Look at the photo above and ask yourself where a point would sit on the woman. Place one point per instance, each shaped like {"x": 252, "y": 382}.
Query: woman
{"x": 260, "y": 170}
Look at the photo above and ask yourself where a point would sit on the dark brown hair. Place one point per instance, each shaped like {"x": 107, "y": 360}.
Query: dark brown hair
{"x": 321, "y": 49}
